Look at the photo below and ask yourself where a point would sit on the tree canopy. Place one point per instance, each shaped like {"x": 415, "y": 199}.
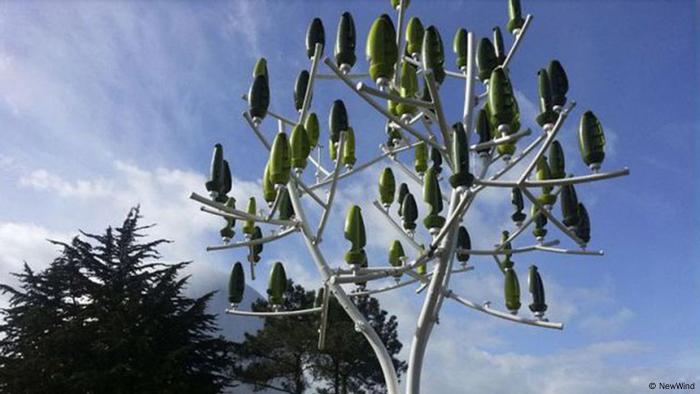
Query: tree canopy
{"x": 107, "y": 317}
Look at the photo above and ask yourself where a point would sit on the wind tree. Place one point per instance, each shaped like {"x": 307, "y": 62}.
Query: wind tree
{"x": 446, "y": 171}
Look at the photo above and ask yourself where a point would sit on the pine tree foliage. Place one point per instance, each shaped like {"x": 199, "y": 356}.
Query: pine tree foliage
{"x": 107, "y": 317}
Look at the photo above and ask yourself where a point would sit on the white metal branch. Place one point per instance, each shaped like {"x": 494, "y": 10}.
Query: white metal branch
{"x": 363, "y": 87}
{"x": 318, "y": 49}
{"x": 486, "y": 308}
{"x": 501, "y": 140}
{"x": 331, "y": 192}
{"x": 273, "y": 314}
{"x": 518, "y": 40}
{"x": 252, "y": 242}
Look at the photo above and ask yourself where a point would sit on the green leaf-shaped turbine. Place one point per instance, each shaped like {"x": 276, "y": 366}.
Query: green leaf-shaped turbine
{"x": 433, "y": 54}
{"x": 502, "y": 103}
{"x": 280, "y": 160}
{"x": 344, "y": 50}
{"x": 464, "y": 242}
{"x": 558, "y": 82}
{"x": 387, "y": 187}
{"x": 408, "y": 88}
{"x": 255, "y": 250}
{"x": 591, "y": 140}
{"x": 261, "y": 68}
{"x": 499, "y": 48}
{"x": 277, "y": 284}
{"x": 543, "y": 173}
{"x": 433, "y": 197}
{"x": 251, "y": 209}
{"x": 483, "y": 129}
{"x": 349, "y": 158}
{"x": 409, "y": 212}
{"x": 515, "y": 17}
{"x": 420, "y": 162}
{"x": 544, "y": 89}
{"x": 381, "y": 50}
{"x": 556, "y": 161}
{"x": 512, "y": 291}
{"x": 403, "y": 191}
{"x": 569, "y": 206}
{"x": 299, "y": 141}
{"x": 227, "y": 232}
{"x": 225, "y": 185}
{"x": 286, "y": 210}
{"x": 486, "y": 59}
{"x": 355, "y": 233}
{"x": 436, "y": 158}
{"x": 583, "y": 229}
{"x": 414, "y": 37}
{"x": 269, "y": 191}
{"x": 459, "y": 46}
{"x": 259, "y": 98}
{"x": 337, "y": 120}
{"x": 300, "y": 87}
{"x": 236, "y": 284}
{"x": 315, "y": 35}
{"x": 217, "y": 162}
{"x": 396, "y": 254}
{"x": 461, "y": 176}
{"x": 538, "y": 306}
{"x": 540, "y": 221}
{"x": 312, "y": 129}
{"x": 516, "y": 197}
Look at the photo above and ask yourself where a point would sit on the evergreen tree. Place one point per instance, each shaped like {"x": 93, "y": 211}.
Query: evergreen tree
{"x": 107, "y": 317}
{"x": 284, "y": 354}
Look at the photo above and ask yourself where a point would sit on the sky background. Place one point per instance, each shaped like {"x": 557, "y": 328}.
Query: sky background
{"x": 105, "y": 105}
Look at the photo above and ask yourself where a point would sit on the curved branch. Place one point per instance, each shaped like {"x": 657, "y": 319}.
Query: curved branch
{"x": 503, "y": 315}
{"x": 273, "y": 314}
{"x": 334, "y": 184}
{"x": 558, "y": 182}
{"x": 501, "y": 140}
{"x": 252, "y": 242}
{"x": 235, "y": 213}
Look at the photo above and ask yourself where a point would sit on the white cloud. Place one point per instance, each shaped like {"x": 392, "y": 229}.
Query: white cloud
{"x": 43, "y": 180}
{"x": 26, "y": 242}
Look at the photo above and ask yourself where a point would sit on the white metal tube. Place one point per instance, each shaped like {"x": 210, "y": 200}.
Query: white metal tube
{"x": 363, "y": 87}
{"x": 558, "y": 182}
{"x": 435, "y": 95}
{"x": 503, "y": 315}
{"x": 501, "y": 140}
{"x": 318, "y": 49}
{"x": 331, "y": 192}
{"x": 518, "y": 39}
{"x": 273, "y": 314}
{"x": 252, "y": 242}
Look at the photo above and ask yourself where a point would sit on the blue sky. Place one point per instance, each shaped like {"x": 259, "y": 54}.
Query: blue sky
{"x": 106, "y": 105}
